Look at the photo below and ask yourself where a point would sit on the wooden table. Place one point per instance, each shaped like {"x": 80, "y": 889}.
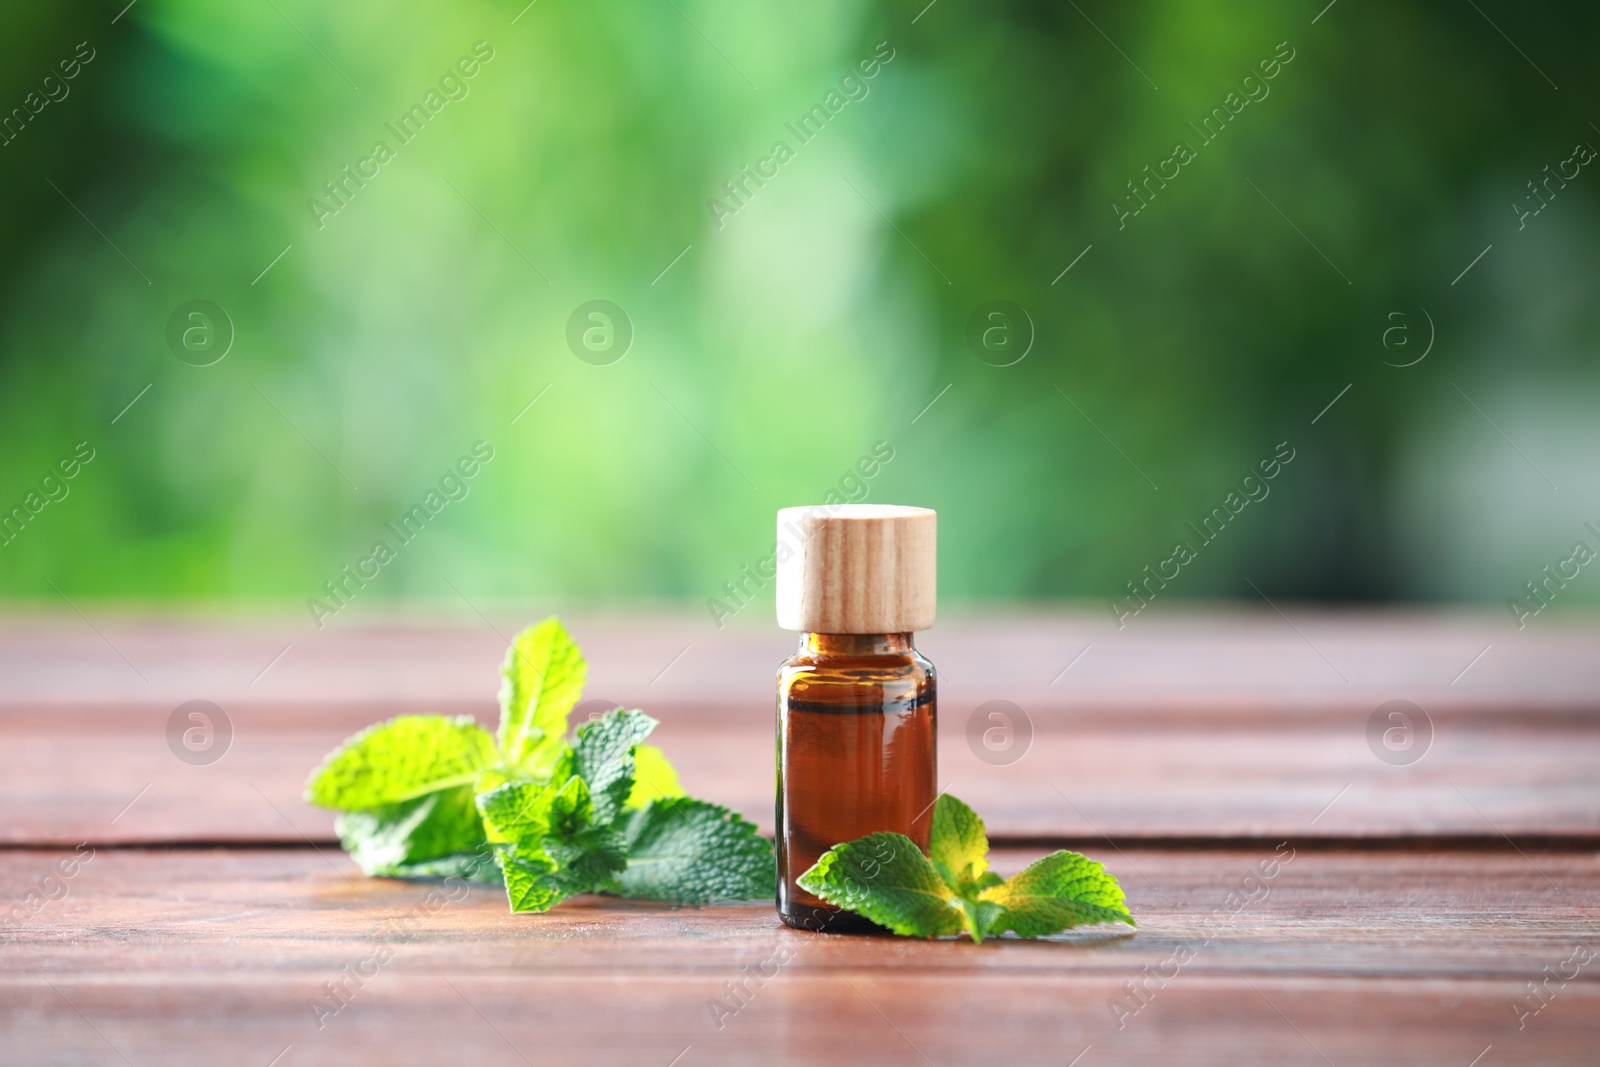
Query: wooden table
{"x": 1300, "y": 899}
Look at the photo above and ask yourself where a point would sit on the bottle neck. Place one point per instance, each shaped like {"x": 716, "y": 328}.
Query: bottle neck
{"x": 855, "y": 644}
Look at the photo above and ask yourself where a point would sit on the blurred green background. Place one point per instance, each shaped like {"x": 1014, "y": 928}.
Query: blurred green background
{"x": 774, "y": 347}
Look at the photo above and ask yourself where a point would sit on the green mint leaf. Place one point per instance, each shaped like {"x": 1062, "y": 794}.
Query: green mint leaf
{"x": 400, "y": 760}
{"x": 981, "y": 918}
{"x": 1059, "y": 891}
{"x": 528, "y": 887}
{"x": 693, "y": 852}
{"x": 548, "y": 842}
{"x": 517, "y": 819}
{"x": 434, "y": 835}
{"x": 958, "y": 847}
{"x": 474, "y": 867}
{"x": 588, "y": 860}
{"x": 886, "y": 878}
{"x": 653, "y": 777}
{"x": 542, "y": 679}
{"x": 517, "y": 812}
{"x": 602, "y": 755}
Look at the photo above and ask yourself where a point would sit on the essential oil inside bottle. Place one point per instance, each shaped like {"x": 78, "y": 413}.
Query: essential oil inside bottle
{"x": 856, "y": 738}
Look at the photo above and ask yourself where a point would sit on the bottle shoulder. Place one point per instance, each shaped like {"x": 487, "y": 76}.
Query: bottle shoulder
{"x": 813, "y": 675}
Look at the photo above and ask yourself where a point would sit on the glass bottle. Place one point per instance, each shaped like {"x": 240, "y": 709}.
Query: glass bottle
{"x": 856, "y": 731}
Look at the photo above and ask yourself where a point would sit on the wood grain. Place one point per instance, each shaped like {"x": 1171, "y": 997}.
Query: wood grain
{"x": 66, "y": 774}
{"x": 1181, "y": 751}
{"x": 1135, "y": 741}
{"x": 207, "y": 956}
{"x": 1223, "y": 661}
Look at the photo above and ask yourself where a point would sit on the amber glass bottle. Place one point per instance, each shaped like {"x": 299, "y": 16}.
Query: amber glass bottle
{"x": 856, "y": 703}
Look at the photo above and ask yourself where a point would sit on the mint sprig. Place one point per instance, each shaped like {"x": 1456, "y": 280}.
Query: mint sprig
{"x": 549, "y": 843}
{"x": 435, "y": 796}
{"x": 886, "y": 878}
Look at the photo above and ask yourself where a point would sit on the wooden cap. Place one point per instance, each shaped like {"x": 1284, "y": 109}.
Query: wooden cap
{"x": 856, "y": 568}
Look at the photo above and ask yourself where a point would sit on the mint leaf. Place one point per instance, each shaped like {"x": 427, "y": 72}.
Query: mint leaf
{"x": 469, "y": 867}
{"x": 548, "y": 842}
{"x": 1061, "y": 890}
{"x": 400, "y": 760}
{"x": 653, "y": 777}
{"x": 693, "y": 852}
{"x": 958, "y": 847}
{"x": 602, "y": 755}
{"x": 886, "y": 878}
{"x": 517, "y": 819}
{"x": 434, "y": 835}
{"x": 528, "y": 887}
{"x": 542, "y": 677}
